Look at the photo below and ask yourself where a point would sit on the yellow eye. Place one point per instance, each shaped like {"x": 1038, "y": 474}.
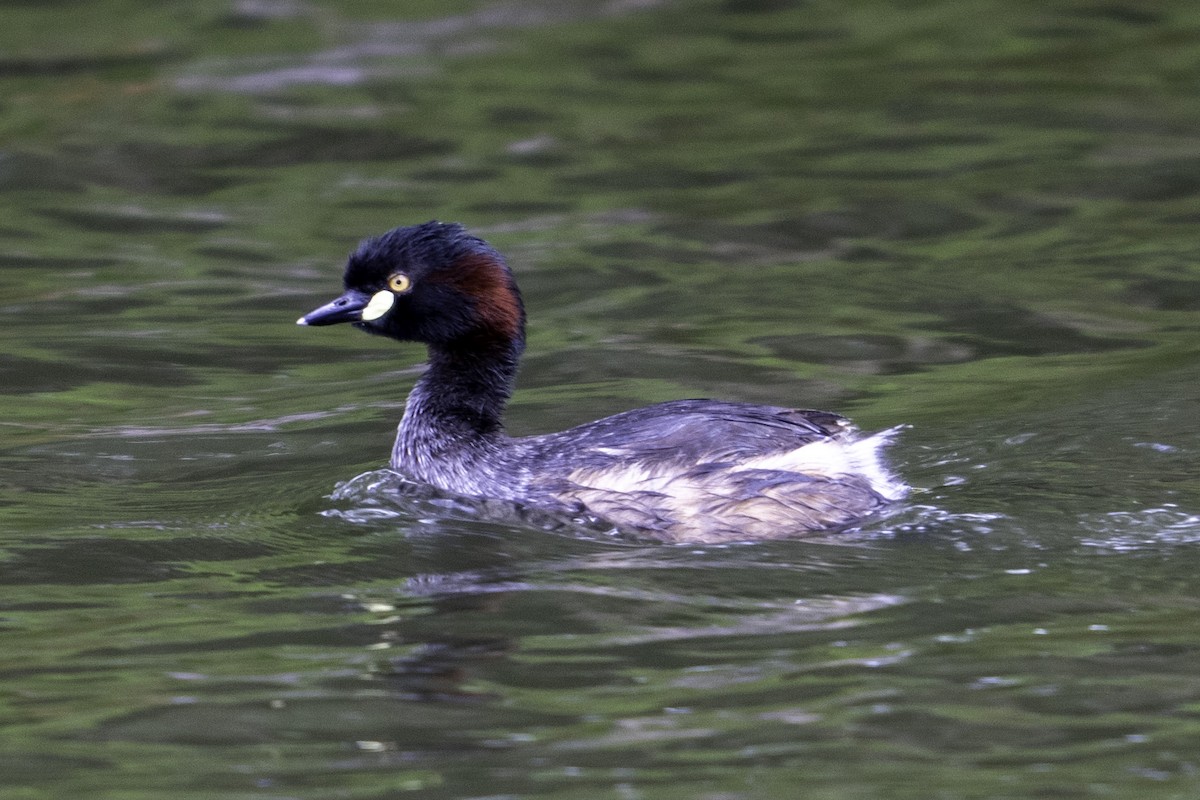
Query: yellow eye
{"x": 399, "y": 283}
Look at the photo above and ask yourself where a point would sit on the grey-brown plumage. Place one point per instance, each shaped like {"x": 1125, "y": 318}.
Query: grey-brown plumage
{"x": 702, "y": 470}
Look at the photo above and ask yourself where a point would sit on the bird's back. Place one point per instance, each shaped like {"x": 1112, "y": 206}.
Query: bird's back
{"x": 700, "y": 470}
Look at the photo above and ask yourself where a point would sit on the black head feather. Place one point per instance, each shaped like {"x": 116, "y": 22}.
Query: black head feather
{"x": 461, "y": 289}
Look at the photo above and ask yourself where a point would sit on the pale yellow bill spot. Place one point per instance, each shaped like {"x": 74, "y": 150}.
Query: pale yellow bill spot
{"x": 380, "y": 304}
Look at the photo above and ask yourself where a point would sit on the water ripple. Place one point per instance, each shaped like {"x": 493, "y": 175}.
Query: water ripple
{"x": 1150, "y": 528}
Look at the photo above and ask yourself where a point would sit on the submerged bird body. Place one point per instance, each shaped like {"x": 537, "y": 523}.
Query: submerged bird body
{"x": 688, "y": 470}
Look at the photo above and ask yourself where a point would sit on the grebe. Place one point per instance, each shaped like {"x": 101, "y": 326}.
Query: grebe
{"x": 687, "y": 470}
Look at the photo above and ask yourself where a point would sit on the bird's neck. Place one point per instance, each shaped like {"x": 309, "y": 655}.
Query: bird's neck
{"x": 463, "y": 393}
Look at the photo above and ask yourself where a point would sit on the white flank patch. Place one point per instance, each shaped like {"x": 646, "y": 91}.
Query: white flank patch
{"x": 625, "y": 480}
{"x": 832, "y": 458}
{"x": 710, "y": 504}
{"x": 380, "y": 304}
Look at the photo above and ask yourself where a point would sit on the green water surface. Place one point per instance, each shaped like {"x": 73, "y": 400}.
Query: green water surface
{"x": 976, "y": 218}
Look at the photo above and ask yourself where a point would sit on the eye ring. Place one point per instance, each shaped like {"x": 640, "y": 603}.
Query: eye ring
{"x": 399, "y": 283}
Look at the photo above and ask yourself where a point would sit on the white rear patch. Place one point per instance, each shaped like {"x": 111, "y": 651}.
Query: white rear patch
{"x": 832, "y": 458}
{"x": 380, "y": 304}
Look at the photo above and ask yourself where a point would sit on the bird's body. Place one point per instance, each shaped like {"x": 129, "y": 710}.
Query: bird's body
{"x": 688, "y": 470}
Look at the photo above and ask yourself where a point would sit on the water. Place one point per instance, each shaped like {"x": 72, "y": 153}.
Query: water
{"x": 974, "y": 218}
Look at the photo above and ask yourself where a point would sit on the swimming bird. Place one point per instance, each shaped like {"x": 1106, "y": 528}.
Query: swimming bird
{"x": 686, "y": 470}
